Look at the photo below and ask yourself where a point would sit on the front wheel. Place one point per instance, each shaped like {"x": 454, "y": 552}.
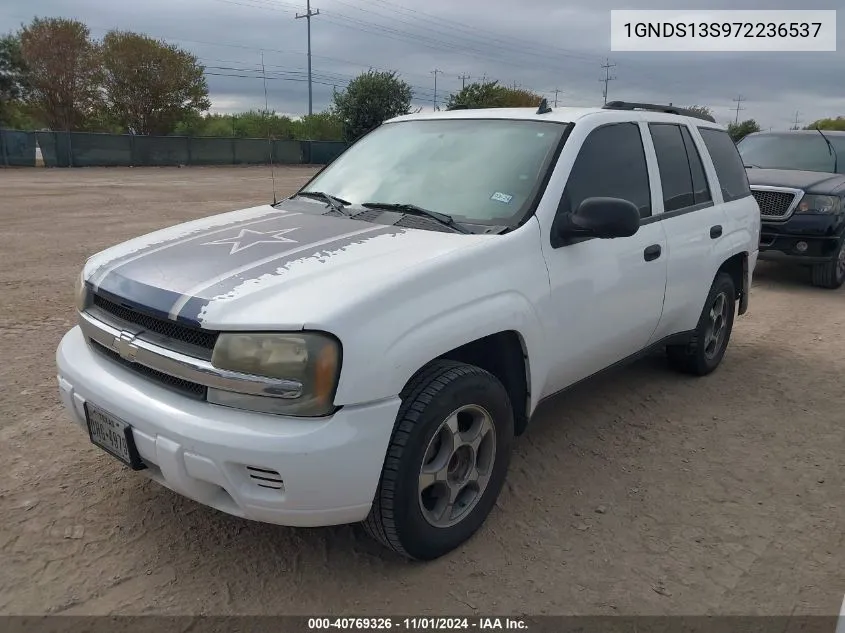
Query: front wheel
{"x": 710, "y": 339}
{"x": 446, "y": 462}
{"x": 831, "y": 275}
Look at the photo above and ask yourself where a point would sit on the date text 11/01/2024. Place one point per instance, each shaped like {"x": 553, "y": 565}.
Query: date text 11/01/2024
{"x": 418, "y": 624}
{"x": 722, "y": 29}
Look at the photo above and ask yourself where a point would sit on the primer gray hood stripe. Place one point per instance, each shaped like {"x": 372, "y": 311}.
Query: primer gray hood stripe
{"x": 193, "y": 292}
{"x": 101, "y": 273}
{"x": 178, "y": 278}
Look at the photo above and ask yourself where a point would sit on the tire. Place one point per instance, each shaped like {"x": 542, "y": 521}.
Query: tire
{"x": 404, "y": 517}
{"x": 831, "y": 275}
{"x": 702, "y": 354}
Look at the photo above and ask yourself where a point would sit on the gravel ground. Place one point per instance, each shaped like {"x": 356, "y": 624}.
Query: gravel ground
{"x": 642, "y": 492}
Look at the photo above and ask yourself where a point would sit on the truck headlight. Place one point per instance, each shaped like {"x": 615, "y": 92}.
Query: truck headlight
{"x": 811, "y": 204}
{"x": 310, "y": 361}
{"x": 81, "y": 293}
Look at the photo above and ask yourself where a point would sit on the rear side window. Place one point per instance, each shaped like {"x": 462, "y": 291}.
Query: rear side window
{"x": 700, "y": 188}
{"x": 611, "y": 163}
{"x": 675, "y": 171}
{"x": 728, "y": 164}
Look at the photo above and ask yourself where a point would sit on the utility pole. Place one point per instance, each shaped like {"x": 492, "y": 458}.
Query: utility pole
{"x": 308, "y": 15}
{"x": 797, "y": 121}
{"x": 739, "y": 99}
{"x": 607, "y": 78}
{"x": 463, "y": 79}
{"x": 436, "y": 72}
{"x": 557, "y": 91}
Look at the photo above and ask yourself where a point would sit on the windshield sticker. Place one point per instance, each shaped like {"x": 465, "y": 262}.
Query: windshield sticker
{"x": 501, "y": 197}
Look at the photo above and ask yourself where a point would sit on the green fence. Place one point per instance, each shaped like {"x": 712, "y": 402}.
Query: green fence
{"x": 83, "y": 149}
{"x": 17, "y": 149}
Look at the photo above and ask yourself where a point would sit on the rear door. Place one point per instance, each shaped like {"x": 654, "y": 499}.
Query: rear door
{"x": 742, "y": 214}
{"x": 694, "y": 222}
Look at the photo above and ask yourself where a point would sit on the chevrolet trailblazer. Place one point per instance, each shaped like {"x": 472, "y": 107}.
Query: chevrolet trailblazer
{"x": 367, "y": 349}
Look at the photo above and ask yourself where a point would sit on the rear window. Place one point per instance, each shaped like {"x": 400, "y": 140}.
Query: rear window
{"x": 728, "y": 164}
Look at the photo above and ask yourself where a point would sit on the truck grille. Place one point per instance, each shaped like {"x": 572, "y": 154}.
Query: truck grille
{"x": 185, "y": 387}
{"x": 776, "y": 205}
{"x": 193, "y": 336}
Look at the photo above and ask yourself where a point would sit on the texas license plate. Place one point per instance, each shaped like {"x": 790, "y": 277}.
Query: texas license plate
{"x": 113, "y": 435}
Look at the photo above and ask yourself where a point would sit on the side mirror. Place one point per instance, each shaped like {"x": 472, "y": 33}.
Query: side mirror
{"x": 603, "y": 218}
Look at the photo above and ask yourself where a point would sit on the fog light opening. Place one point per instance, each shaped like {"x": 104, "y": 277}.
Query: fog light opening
{"x": 801, "y": 247}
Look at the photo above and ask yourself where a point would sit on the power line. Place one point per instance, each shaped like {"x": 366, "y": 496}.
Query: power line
{"x": 485, "y": 36}
{"x": 557, "y": 91}
{"x": 607, "y": 78}
{"x": 542, "y": 58}
{"x": 463, "y": 79}
{"x": 308, "y": 15}
{"x": 739, "y": 99}
{"x": 796, "y": 125}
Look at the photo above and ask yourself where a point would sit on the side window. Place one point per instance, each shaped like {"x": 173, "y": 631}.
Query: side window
{"x": 728, "y": 163}
{"x": 675, "y": 173}
{"x": 611, "y": 163}
{"x": 700, "y": 188}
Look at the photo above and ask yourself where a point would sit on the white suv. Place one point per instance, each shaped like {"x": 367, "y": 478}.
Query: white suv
{"x": 367, "y": 349}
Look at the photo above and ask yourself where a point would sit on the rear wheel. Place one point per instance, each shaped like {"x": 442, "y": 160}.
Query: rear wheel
{"x": 709, "y": 342}
{"x": 831, "y": 274}
{"x": 446, "y": 461}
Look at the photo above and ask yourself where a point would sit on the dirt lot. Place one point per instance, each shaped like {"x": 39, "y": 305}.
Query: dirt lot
{"x": 640, "y": 493}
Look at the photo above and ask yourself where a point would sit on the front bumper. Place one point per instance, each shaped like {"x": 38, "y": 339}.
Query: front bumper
{"x": 329, "y": 468}
{"x": 779, "y": 241}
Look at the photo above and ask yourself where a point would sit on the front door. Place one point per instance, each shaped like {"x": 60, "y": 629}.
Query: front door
{"x": 606, "y": 294}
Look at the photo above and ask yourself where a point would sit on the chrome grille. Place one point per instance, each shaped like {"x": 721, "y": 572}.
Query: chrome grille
{"x": 185, "y": 387}
{"x": 169, "y": 329}
{"x": 774, "y": 204}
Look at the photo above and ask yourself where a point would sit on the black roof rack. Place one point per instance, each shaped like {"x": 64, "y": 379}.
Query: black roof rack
{"x": 668, "y": 109}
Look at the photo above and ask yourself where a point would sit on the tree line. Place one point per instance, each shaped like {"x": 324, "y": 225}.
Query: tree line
{"x": 54, "y": 75}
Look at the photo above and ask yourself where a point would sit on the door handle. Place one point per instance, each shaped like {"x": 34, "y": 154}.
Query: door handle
{"x": 651, "y": 252}
{"x": 716, "y": 231}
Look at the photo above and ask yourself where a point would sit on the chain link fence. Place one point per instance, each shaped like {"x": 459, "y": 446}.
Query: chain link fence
{"x": 84, "y": 149}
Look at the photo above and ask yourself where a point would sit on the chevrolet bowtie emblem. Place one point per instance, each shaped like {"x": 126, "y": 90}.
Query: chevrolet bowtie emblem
{"x": 125, "y": 346}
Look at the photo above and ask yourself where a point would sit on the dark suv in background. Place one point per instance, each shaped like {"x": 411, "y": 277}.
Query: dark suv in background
{"x": 798, "y": 179}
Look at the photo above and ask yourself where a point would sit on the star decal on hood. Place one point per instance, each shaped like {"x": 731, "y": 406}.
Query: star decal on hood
{"x": 249, "y": 237}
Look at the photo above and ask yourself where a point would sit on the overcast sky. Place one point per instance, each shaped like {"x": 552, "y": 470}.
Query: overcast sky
{"x": 537, "y": 44}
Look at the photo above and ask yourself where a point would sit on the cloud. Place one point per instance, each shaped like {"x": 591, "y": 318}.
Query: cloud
{"x": 542, "y": 45}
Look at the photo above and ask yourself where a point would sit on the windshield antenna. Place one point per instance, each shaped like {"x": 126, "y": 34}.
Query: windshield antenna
{"x": 831, "y": 149}
{"x": 269, "y": 142}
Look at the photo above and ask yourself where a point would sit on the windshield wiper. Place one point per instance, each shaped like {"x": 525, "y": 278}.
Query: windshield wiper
{"x": 752, "y": 166}
{"x": 412, "y": 209}
{"x": 831, "y": 150}
{"x": 337, "y": 204}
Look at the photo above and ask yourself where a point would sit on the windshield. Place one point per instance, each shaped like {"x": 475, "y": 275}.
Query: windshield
{"x": 483, "y": 171}
{"x": 792, "y": 151}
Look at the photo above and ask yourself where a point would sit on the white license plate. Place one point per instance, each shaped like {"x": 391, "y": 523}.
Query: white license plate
{"x": 113, "y": 435}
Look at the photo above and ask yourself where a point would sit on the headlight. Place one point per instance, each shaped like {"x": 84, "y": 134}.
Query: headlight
{"x": 811, "y": 204}
{"x": 309, "y": 362}
{"x": 81, "y": 293}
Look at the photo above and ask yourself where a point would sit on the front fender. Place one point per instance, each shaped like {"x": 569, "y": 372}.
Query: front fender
{"x": 395, "y": 359}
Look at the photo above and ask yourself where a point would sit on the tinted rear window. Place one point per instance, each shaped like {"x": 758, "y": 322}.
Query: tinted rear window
{"x": 729, "y": 168}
